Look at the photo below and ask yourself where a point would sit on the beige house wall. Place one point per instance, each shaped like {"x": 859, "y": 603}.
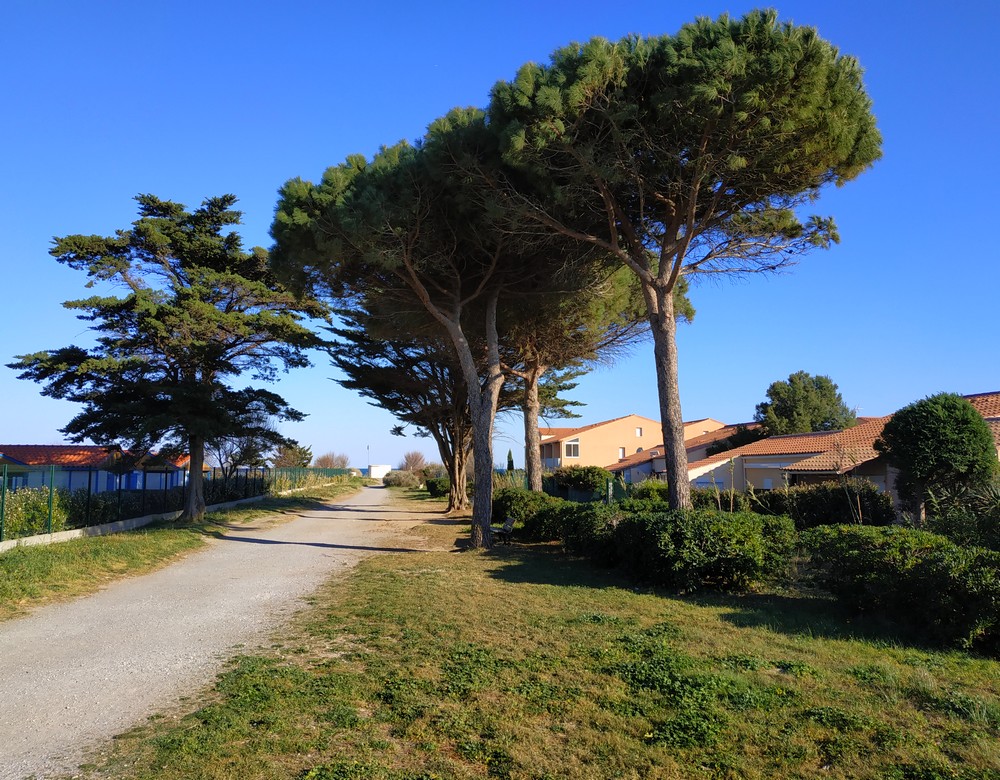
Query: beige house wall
{"x": 701, "y": 427}
{"x": 603, "y": 444}
{"x": 722, "y": 475}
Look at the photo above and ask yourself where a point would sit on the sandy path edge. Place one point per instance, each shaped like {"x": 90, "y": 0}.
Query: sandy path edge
{"x": 77, "y": 673}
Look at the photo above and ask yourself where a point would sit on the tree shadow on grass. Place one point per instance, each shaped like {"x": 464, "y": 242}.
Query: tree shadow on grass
{"x": 806, "y": 614}
{"x": 548, "y": 565}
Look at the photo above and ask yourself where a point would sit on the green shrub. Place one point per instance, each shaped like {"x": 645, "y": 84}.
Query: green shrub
{"x": 518, "y": 503}
{"x": 404, "y": 479}
{"x": 438, "y": 487}
{"x": 688, "y": 549}
{"x": 649, "y": 490}
{"x": 723, "y": 500}
{"x": 26, "y": 512}
{"x": 104, "y": 507}
{"x": 585, "y": 481}
{"x": 923, "y": 580}
{"x": 547, "y": 522}
{"x": 969, "y": 516}
{"x": 588, "y": 529}
{"x": 635, "y": 505}
{"x": 829, "y": 503}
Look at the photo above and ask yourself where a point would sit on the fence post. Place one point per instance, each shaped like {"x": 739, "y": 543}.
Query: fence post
{"x": 3, "y": 499}
{"x": 120, "y": 496}
{"x": 142, "y": 501}
{"x": 52, "y": 494}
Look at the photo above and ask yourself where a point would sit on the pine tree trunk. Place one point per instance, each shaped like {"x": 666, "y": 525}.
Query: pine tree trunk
{"x": 484, "y": 392}
{"x": 663, "y": 324}
{"x": 458, "y": 497}
{"x": 532, "y": 439}
{"x": 482, "y": 449}
{"x": 194, "y": 504}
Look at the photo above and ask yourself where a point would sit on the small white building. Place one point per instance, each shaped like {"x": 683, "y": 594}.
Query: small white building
{"x": 378, "y": 472}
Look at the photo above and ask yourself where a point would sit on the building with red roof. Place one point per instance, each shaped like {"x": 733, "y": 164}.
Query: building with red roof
{"x": 609, "y": 441}
{"x": 804, "y": 458}
{"x": 81, "y": 466}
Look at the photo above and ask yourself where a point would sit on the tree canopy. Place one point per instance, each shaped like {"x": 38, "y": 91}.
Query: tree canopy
{"x": 292, "y": 455}
{"x": 939, "y": 442}
{"x": 332, "y": 460}
{"x": 198, "y": 312}
{"x": 687, "y": 155}
{"x": 803, "y": 403}
{"x": 417, "y": 228}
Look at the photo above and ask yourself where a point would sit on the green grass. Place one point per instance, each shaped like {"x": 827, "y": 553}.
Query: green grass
{"x": 524, "y": 663}
{"x": 37, "y": 575}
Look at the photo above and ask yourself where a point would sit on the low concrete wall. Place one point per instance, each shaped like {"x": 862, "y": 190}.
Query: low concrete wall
{"x": 111, "y": 528}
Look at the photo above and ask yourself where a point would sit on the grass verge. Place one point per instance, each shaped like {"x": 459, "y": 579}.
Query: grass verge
{"x": 523, "y": 663}
{"x": 37, "y": 575}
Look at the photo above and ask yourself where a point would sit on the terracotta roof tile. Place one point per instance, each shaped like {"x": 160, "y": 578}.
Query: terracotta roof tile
{"x": 637, "y": 458}
{"x": 84, "y": 456}
{"x": 835, "y": 461}
{"x": 72, "y": 455}
{"x": 714, "y": 436}
{"x": 558, "y": 434}
{"x": 695, "y": 441}
{"x": 828, "y": 450}
{"x": 994, "y": 423}
{"x": 987, "y": 404}
{"x": 859, "y": 438}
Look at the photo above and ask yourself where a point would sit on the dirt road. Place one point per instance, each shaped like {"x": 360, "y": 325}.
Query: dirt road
{"x": 73, "y": 675}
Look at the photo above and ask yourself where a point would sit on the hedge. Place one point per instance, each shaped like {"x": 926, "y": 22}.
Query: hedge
{"x": 922, "y": 580}
{"x": 26, "y": 512}
{"x": 688, "y": 549}
{"x": 678, "y": 549}
{"x": 438, "y": 487}
{"x": 828, "y": 503}
{"x": 519, "y": 504}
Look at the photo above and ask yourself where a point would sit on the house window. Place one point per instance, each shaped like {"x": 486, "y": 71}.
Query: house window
{"x": 573, "y": 448}
{"x": 621, "y": 453}
{"x": 638, "y": 433}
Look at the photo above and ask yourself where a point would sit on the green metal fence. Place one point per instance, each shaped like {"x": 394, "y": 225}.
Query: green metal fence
{"x": 28, "y": 511}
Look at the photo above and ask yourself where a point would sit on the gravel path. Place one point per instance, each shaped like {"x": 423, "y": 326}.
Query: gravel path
{"x": 75, "y": 674}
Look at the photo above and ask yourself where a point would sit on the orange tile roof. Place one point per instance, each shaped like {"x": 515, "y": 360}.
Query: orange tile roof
{"x": 833, "y": 450}
{"x": 858, "y": 439}
{"x": 83, "y": 456}
{"x": 826, "y": 450}
{"x": 637, "y": 458}
{"x": 695, "y": 441}
{"x": 713, "y": 436}
{"x": 558, "y": 434}
{"x": 838, "y": 461}
{"x": 994, "y": 423}
{"x": 987, "y": 404}
{"x": 72, "y": 455}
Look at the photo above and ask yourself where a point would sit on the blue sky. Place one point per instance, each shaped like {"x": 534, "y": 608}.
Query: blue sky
{"x": 102, "y": 101}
